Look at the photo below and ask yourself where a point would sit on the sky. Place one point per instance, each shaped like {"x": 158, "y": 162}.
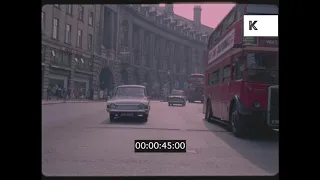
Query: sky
{"x": 211, "y": 14}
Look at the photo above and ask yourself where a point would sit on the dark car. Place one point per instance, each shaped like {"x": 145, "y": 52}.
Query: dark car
{"x": 177, "y": 97}
{"x": 129, "y": 101}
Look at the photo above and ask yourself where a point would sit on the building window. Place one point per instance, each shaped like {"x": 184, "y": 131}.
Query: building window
{"x": 226, "y": 74}
{"x": 55, "y": 28}
{"x": 90, "y": 42}
{"x": 68, "y": 34}
{"x": 91, "y": 18}
{"x": 66, "y": 58}
{"x": 69, "y": 9}
{"x": 81, "y": 11}
{"x": 42, "y": 20}
{"x": 57, "y": 55}
{"x": 79, "y": 38}
{"x": 57, "y": 5}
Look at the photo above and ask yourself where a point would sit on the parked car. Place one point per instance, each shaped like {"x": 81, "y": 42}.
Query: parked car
{"x": 129, "y": 101}
{"x": 177, "y": 97}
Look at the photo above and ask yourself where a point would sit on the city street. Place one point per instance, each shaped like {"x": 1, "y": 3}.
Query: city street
{"x": 79, "y": 140}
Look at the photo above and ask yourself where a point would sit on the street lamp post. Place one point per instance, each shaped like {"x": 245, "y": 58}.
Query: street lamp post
{"x": 169, "y": 78}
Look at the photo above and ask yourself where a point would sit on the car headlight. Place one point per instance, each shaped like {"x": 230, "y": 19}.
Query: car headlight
{"x": 112, "y": 106}
{"x": 256, "y": 104}
{"x": 141, "y": 106}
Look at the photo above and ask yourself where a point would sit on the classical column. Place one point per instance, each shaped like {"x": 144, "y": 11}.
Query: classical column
{"x": 117, "y": 39}
{"x": 111, "y": 32}
{"x": 130, "y": 35}
{"x": 141, "y": 45}
{"x": 172, "y": 57}
{"x": 162, "y": 51}
{"x": 180, "y": 63}
{"x": 190, "y": 60}
{"x": 152, "y": 52}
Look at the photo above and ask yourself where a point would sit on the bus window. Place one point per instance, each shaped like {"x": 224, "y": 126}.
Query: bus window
{"x": 215, "y": 77}
{"x": 226, "y": 74}
{"x": 199, "y": 90}
{"x": 210, "y": 79}
{"x": 217, "y": 33}
{"x": 240, "y": 11}
{"x": 228, "y": 20}
{"x": 239, "y": 68}
{"x": 231, "y": 18}
{"x": 220, "y": 76}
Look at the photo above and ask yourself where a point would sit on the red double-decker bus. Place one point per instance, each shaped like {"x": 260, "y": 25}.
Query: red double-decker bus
{"x": 195, "y": 89}
{"x": 241, "y": 77}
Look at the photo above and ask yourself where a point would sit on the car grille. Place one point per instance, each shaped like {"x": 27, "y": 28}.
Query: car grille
{"x": 274, "y": 104}
{"x": 127, "y": 107}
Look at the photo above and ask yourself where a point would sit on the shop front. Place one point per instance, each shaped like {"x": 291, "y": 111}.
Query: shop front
{"x": 82, "y": 85}
{"x": 57, "y": 81}
{"x": 60, "y": 81}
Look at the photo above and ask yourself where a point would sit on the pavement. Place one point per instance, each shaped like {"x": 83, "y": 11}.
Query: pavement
{"x": 48, "y": 102}
{"x": 79, "y": 140}
{"x": 45, "y": 102}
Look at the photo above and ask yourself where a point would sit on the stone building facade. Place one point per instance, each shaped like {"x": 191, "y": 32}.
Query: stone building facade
{"x": 102, "y": 46}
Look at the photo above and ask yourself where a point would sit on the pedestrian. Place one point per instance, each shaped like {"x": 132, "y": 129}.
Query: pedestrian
{"x": 64, "y": 94}
{"x": 48, "y": 93}
{"x": 91, "y": 93}
{"x": 68, "y": 93}
{"x": 75, "y": 93}
{"x": 54, "y": 90}
{"x": 59, "y": 93}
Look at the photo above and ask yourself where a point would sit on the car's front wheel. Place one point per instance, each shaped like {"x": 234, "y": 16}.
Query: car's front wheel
{"x": 237, "y": 122}
{"x": 112, "y": 117}
{"x": 145, "y": 118}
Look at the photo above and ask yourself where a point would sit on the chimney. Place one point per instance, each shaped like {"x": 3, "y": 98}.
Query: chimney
{"x": 197, "y": 17}
{"x": 168, "y": 8}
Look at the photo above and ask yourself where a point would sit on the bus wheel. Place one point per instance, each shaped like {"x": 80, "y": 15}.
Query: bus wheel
{"x": 208, "y": 114}
{"x": 237, "y": 124}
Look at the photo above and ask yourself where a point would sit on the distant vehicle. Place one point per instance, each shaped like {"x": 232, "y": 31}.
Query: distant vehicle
{"x": 129, "y": 101}
{"x": 195, "y": 89}
{"x": 177, "y": 97}
{"x": 241, "y": 85}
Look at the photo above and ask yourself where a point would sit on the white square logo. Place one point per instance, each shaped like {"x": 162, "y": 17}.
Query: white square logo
{"x": 260, "y": 26}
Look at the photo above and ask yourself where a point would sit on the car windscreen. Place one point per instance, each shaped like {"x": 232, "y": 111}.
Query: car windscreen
{"x": 177, "y": 93}
{"x": 131, "y": 91}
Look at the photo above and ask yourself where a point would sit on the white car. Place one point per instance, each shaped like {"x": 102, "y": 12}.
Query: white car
{"x": 177, "y": 97}
{"x": 129, "y": 101}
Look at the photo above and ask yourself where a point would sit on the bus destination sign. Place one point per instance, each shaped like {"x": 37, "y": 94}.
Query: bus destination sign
{"x": 223, "y": 46}
{"x": 268, "y": 42}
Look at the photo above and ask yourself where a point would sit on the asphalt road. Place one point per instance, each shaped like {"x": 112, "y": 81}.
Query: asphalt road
{"x": 78, "y": 139}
